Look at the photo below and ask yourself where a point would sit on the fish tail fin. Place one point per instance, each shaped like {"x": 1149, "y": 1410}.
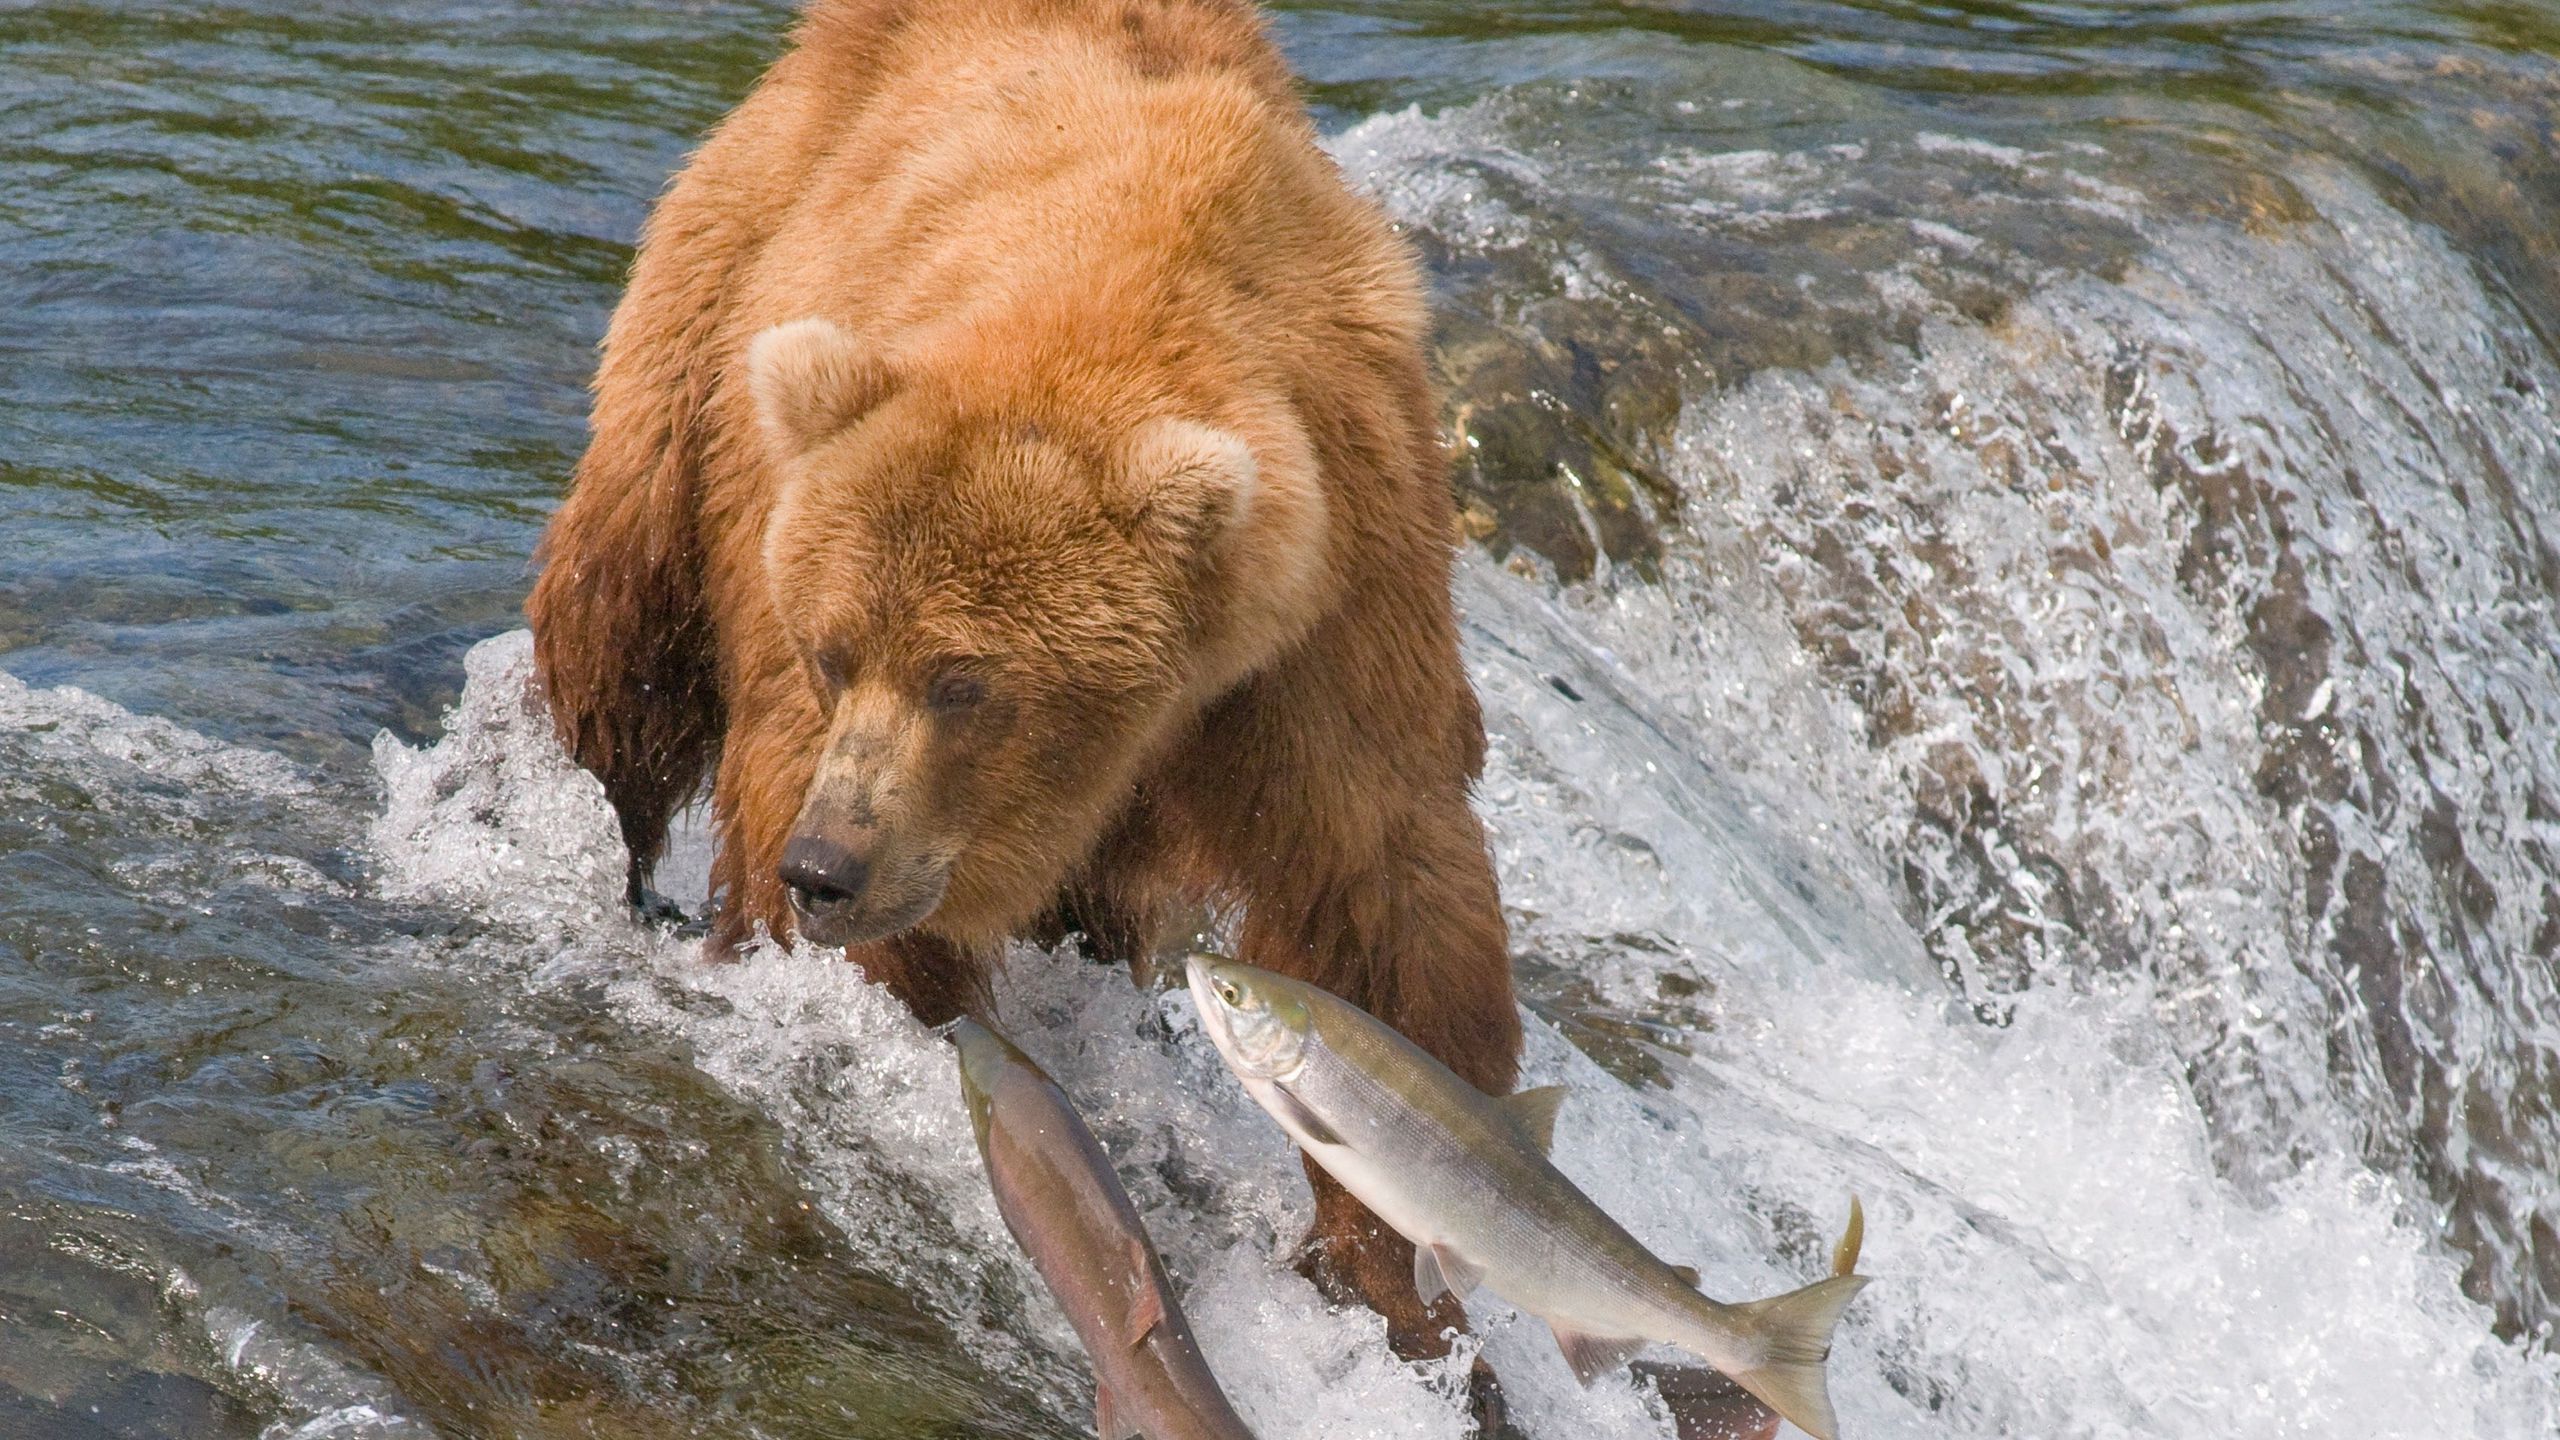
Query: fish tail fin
{"x": 1794, "y": 1331}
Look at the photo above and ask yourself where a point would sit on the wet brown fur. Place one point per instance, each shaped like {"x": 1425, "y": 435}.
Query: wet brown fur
{"x": 1054, "y": 223}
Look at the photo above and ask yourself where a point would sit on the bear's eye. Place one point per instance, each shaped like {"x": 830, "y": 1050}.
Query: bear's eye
{"x": 829, "y": 667}
{"x": 955, "y": 690}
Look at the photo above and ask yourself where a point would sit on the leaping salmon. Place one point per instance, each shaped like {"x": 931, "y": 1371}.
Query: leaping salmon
{"x": 1465, "y": 1177}
{"x": 1063, "y": 1202}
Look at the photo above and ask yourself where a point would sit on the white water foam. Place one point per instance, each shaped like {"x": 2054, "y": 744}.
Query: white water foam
{"x": 129, "y": 760}
{"x": 870, "y": 1100}
{"x": 496, "y": 818}
{"x": 2046, "y": 569}
{"x": 2061, "y": 1253}
{"x": 1682, "y": 810}
{"x": 322, "y": 1398}
{"x": 2056, "y": 1252}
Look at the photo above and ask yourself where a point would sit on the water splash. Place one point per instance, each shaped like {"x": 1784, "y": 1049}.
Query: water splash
{"x": 2048, "y": 1189}
{"x": 2137, "y": 584}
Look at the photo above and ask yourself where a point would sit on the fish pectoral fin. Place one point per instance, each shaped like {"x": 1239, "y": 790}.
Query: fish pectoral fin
{"x": 1108, "y": 1422}
{"x": 1688, "y": 1275}
{"x": 1308, "y": 1122}
{"x": 1146, "y": 1308}
{"x": 1437, "y": 1269}
{"x": 1844, "y": 1256}
{"x": 1593, "y": 1356}
{"x": 1533, "y": 1114}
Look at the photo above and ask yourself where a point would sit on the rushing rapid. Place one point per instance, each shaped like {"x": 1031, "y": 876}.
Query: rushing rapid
{"x": 2009, "y": 569}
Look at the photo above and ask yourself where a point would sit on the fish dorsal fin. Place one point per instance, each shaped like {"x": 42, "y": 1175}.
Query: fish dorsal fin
{"x": 1108, "y": 1422}
{"x": 1688, "y": 1275}
{"x": 1309, "y": 1123}
{"x": 1593, "y": 1356}
{"x": 1844, "y": 1256}
{"x": 1533, "y": 1114}
{"x": 1146, "y": 1308}
{"x": 1437, "y": 1269}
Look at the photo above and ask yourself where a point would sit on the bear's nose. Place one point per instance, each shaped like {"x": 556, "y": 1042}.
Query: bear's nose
{"x": 822, "y": 874}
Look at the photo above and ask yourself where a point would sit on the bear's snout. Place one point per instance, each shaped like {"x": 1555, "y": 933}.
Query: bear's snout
{"x": 825, "y": 878}
{"x": 835, "y": 895}
{"x": 850, "y": 894}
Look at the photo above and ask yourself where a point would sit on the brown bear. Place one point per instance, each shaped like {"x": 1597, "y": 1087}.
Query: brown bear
{"x": 1015, "y": 476}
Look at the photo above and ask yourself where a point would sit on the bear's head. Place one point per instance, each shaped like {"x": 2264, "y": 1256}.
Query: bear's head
{"x": 1000, "y": 615}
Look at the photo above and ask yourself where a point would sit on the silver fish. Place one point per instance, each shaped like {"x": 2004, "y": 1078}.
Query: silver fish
{"x": 1465, "y": 1177}
{"x": 1061, "y": 1199}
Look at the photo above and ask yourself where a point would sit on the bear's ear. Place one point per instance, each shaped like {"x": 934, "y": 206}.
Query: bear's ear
{"x": 1187, "y": 483}
{"x": 811, "y": 378}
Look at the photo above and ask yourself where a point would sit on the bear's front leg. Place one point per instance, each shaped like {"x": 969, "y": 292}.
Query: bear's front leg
{"x": 767, "y": 760}
{"x": 1353, "y": 1258}
{"x": 1350, "y": 1256}
{"x": 1411, "y": 931}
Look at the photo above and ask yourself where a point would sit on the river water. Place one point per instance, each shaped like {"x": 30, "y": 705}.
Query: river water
{"x": 2012, "y": 575}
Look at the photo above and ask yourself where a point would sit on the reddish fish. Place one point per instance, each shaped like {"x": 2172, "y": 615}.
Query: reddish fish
{"x": 1064, "y": 1205}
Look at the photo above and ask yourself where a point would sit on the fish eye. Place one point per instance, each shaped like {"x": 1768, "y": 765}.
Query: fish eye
{"x": 1228, "y": 992}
